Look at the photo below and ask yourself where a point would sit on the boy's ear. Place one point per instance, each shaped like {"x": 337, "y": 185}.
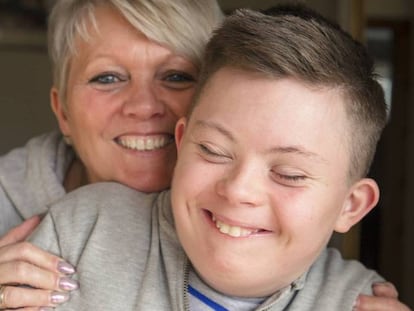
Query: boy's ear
{"x": 179, "y": 131}
{"x": 59, "y": 111}
{"x": 362, "y": 198}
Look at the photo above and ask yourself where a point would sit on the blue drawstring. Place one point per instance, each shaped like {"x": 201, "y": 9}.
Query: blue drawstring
{"x": 212, "y": 304}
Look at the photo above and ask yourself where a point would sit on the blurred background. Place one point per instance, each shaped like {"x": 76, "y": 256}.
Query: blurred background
{"x": 384, "y": 240}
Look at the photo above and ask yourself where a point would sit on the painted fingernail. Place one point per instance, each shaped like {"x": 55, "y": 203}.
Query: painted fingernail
{"x": 68, "y": 284}
{"x": 65, "y": 267}
{"x": 59, "y": 297}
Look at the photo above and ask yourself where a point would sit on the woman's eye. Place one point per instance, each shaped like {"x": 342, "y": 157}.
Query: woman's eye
{"x": 179, "y": 80}
{"x": 180, "y": 77}
{"x": 106, "y": 78}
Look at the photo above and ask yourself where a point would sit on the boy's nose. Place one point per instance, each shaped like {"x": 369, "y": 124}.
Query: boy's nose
{"x": 242, "y": 186}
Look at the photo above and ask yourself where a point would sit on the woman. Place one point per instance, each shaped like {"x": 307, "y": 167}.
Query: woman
{"x": 123, "y": 72}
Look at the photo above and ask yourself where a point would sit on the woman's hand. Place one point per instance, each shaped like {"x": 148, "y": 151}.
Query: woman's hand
{"x": 44, "y": 276}
{"x": 385, "y": 299}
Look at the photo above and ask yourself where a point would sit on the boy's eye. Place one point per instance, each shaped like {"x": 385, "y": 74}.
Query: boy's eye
{"x": 213, "y": 155}
{"x": 289, "y": 179}
{"x": 206, "y": 150}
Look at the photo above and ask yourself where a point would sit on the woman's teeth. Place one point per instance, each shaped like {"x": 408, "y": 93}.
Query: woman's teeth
{"x": 144, "y": 144}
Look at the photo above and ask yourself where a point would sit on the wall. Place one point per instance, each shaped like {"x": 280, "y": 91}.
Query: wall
{"x": 395, "y": 9}
{"x": 408, "y": 259}
{"x": 24, "y": 89}
{"x": 328, "y": 8}
{"x": 402, "y": 264}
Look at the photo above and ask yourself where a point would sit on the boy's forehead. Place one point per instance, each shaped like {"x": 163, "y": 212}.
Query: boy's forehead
{"x": 244, "y": 91}
{"x": 232, "y": 75}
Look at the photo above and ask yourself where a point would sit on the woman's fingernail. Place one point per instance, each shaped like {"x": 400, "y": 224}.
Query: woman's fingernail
{"x": 59, "y": 297}
{"x": 65, "y": 267}
{"x": 68, "y": 284}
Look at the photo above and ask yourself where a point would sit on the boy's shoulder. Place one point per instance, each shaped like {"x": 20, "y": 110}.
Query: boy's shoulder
{"x": 331, "y": 266}
{"x": 333, "y": 282}
{"x": 102, "y": 207}
{"x": 102, "y": 198}
{"x": 103, "y": 215}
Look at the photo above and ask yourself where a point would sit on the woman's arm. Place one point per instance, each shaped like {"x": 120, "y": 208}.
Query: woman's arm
{"x": 44, "y": 276}
{"x": 385, "y": 299}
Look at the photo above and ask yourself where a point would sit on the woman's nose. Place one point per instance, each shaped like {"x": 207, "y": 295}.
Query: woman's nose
{"x": 143, "y": 101}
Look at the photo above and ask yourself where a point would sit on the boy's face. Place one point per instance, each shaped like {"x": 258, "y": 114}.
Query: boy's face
{"x": 261, "y": 181}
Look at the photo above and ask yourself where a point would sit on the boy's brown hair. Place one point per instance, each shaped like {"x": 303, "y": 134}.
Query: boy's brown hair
{"x": 296, "y": 42}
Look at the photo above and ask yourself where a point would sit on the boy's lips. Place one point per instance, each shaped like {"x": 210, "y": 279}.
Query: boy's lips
{"x": 235, "y": 231}
{"x": 144, "y": 143}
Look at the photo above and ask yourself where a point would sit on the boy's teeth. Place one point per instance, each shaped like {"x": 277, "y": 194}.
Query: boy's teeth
{"x": 233, "y": 231}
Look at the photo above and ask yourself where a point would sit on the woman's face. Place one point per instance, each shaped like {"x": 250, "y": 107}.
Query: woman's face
{"x": 124, "y": 96}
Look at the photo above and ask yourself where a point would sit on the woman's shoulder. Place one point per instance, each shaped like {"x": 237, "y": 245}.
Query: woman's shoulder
{"x": 335, "y": 281}
{"x": 31, "y": 175}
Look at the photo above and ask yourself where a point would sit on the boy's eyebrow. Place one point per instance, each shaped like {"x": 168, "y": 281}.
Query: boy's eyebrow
{"x": 215, "y": 126}
{"x": 298, "y": 150}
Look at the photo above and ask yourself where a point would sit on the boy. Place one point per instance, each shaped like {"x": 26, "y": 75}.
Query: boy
{"x": 271, "y": 161}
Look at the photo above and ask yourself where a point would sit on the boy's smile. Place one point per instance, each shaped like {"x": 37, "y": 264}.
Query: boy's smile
{"x": 261, "y": 180}
{"x": 235, "y": 229}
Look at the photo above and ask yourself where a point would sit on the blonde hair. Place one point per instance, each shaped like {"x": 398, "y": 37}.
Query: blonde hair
{"x": 182, "y": 25}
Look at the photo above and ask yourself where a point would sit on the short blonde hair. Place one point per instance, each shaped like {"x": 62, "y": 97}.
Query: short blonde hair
{"x": 182, "y": 25}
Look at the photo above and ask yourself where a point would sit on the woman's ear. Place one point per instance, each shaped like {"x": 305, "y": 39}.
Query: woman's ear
{"x": 179, "y": 131}
{"x": 59, "y": 111}
{"x": 362, "y": 198}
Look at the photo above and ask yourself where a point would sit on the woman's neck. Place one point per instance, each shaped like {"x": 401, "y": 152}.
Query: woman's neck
{"x": 75, "y": 176}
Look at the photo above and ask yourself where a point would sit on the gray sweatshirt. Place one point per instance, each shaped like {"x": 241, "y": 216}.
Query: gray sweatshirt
{"x": 31, "y": 178}
{"x": 128, "y": 257}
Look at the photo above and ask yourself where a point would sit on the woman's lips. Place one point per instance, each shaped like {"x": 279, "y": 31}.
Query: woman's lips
{"x": 144, "y": 143}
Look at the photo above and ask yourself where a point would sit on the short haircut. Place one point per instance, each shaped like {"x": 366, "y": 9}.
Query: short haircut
{"x": 182, "y": 25}
{"x": 296, "y": 42}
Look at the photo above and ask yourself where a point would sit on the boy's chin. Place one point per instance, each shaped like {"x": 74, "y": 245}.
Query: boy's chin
{"x": 242, "y": 280}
